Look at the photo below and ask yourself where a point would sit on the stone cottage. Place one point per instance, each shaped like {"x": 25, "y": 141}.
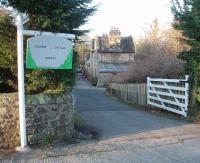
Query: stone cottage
{"x": 110, "y": 55}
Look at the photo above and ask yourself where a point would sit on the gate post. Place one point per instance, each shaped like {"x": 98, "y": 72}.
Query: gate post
{"x": 148, "y": 91}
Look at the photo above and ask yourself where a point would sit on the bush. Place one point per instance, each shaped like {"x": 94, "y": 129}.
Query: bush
{"x": 94, "y": 81}
{"x": 8, "y": 53}
{"x": 78, "y": 120}
{"x": 187, "y": 20}
{"x": 36, "y": 81}
{"x": 156, "y": 56}
{"x": 157, "y": 65}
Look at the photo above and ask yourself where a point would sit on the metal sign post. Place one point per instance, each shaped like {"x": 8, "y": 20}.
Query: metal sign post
{"x": 20, "y": 61}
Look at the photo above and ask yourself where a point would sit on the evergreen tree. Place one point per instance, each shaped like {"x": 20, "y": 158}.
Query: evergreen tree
{"x": 56, "y": 16}
{"x": 8, "y": 50}
{"x": 187, "y": 19}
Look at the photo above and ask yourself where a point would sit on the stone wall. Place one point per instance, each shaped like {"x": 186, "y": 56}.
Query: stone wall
{"x": 9, "y": 120}
{"x": 116, "y": 58}
{"x": 49, "y": 117}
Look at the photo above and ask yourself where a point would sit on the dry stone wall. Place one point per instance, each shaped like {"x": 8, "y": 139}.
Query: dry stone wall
{"x": 49, "y": 117}
{"x": 9, "y": 120}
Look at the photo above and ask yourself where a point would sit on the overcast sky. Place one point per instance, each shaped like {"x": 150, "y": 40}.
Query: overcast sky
{"x": 130, "y": 16}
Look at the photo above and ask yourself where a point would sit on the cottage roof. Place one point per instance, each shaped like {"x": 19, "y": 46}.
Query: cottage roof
{"x": 113, "y": 43}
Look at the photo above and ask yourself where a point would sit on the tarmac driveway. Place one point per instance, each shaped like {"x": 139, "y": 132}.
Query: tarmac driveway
{"x": 123, "y": 124}
{"x": 128, "y": 135}
{"x": 116, "y": 119}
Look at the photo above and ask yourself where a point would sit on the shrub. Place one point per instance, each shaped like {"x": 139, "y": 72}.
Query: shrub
{"x": 36, "y": 81}
{"x": 50, "y": 80}
{"x": 78, "y": 120}
{"x": 157, "y": 65}
{"x": 94, "y": 81}
{"x": 187, "y": 20}
{"x": 156, "y": 56}
{"x": 55, "y": 16}
{"x": 8, "y": 52}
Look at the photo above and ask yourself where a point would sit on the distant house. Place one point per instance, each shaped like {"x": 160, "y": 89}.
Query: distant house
{"x": 110, "y": 55}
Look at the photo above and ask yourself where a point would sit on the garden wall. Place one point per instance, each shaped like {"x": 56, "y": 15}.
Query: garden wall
{"x": 49, "y": 117}
{"x": 9, "y": 120}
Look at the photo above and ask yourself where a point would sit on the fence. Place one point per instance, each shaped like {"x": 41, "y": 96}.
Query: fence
{"x": 132, "y": 93}
{"x": 169, "y": 94}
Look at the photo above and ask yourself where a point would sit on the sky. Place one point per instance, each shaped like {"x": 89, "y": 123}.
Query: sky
{"x": 132, "y": 17}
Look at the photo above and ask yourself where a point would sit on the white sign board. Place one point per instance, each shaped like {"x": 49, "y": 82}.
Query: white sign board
{"x": 49, "y": 52}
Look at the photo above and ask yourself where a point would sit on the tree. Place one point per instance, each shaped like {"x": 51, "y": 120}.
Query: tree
{"x": 8, "y": 57}
{"x": 56, "y": 16}
{"x": 187, "y": 19}
{"x": 82, "y": 47}
{"x": 154, "y": 32}
{"x": 156, "y": 56}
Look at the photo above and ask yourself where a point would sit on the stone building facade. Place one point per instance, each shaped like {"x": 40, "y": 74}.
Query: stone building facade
{"x": 110, "y": 55}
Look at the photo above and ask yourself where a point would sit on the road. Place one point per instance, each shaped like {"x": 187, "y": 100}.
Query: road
{"x": 128, "y": 135}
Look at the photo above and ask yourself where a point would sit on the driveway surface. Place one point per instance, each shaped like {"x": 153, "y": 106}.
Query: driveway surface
{"x": 116, "y": 119}
{"x": 128, "y": 135}
{"x": 162, "y": 139}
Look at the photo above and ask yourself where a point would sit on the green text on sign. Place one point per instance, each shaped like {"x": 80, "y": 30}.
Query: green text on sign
{"x": 49, "y": 52}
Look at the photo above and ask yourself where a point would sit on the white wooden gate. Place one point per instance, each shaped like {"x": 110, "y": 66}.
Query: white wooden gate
{"x": 169, "y": 94}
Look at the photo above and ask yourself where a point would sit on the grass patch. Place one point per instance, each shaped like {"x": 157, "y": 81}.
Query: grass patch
{"x": 78, "y": 120}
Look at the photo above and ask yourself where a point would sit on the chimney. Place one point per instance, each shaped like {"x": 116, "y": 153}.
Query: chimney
{"x": 114, "y": 37}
